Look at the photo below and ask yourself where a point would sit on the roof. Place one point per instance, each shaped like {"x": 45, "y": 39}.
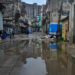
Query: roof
{"x": 53, "y": 23}
{"x": 63, "y": 18}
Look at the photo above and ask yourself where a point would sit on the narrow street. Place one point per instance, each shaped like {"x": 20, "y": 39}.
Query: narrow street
{"x": 37, "y": 37}
{"x": 36, "y": 56}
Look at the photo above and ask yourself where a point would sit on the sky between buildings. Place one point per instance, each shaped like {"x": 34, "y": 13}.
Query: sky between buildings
{"x": 39, "y": 2}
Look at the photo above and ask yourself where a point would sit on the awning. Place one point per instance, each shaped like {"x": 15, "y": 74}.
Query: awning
{"x": 64, "y": 18}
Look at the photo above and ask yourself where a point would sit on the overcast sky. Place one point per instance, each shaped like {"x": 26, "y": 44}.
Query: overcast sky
{"x": 40, "y": 2}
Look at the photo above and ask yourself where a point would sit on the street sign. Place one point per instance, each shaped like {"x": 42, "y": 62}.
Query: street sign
{"x": 1, "y": 21}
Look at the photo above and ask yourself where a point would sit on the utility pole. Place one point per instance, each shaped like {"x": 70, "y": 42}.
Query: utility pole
{"x": 59, "y": 31}
{"x": 46, "y": 23}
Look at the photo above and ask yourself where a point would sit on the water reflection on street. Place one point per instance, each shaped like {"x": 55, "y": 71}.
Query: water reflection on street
{"x": 35, "y": 57}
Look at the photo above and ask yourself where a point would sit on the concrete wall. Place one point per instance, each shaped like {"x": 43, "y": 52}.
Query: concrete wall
{"x": 53, "y": 6}
{"x": 71, "y": 23}
{"x": 32, "y": 10}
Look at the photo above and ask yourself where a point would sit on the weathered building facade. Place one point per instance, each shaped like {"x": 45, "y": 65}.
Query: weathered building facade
{"x": 53, "y": 7}
{"x": 72, "y": 23}
{"x": 11, "y": 6}
{"x": 32, "y": 10}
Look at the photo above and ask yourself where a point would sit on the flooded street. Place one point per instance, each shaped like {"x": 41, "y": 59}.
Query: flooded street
{"x": 35, "y": 57}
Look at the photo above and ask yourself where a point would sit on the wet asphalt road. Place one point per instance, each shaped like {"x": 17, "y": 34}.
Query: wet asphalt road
{"x": 35, "y": 57}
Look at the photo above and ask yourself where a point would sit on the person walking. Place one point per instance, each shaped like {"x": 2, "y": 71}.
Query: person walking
{"x": 13, "y": 33}
{"x": 10, "y": 34}
{"x": 4, "y": 35}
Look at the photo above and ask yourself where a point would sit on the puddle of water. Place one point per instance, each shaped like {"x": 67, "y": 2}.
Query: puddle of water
{"x": 38, "y": 57}
{"x": 53, "y": 46}
{"x": 1, "y": 54}
{"x": 35, "y": 66}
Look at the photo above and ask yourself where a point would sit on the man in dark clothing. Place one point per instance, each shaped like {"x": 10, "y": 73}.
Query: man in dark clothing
{"x": 13, "y": 33}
